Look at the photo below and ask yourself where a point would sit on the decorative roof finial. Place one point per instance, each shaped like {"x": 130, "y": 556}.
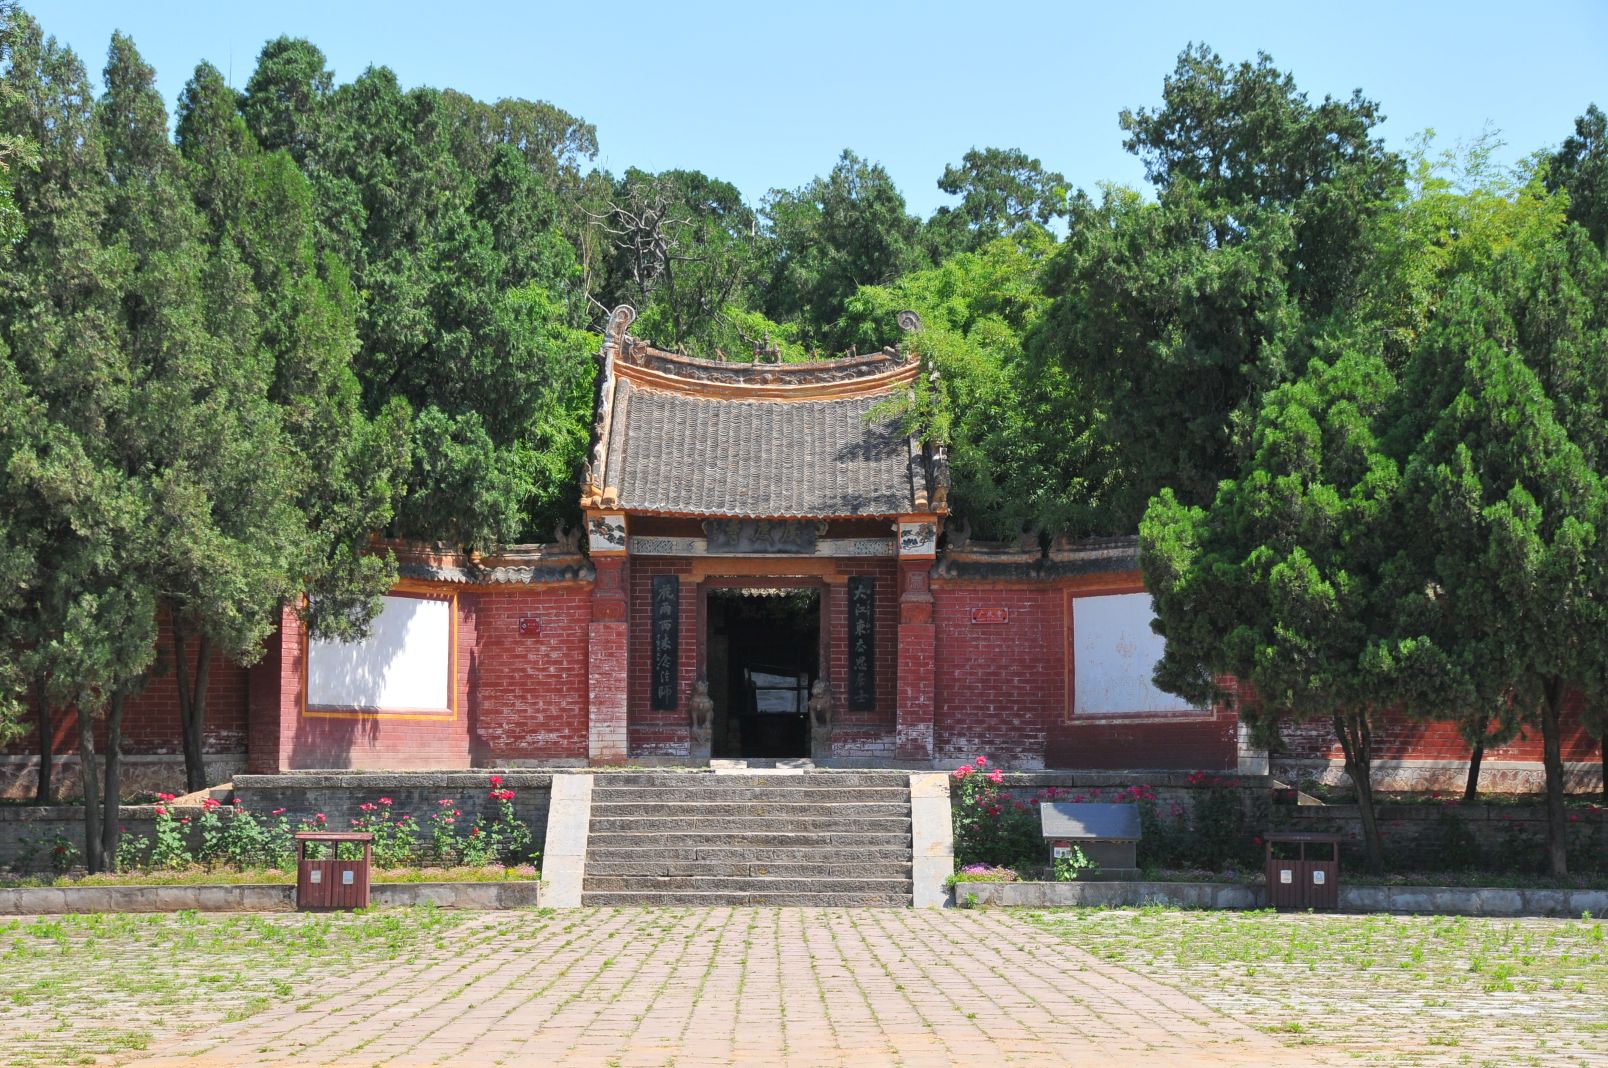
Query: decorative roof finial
{"x": 620, "y": 320}
{"x": 909, "y": 322}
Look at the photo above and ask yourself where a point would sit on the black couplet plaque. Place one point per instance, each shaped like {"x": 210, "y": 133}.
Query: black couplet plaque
{"x": 666, "y": 632}
{"x": 862, "y": 643}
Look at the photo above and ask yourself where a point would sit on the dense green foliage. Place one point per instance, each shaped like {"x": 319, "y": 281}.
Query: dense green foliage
{"x": 1352, "y": 398}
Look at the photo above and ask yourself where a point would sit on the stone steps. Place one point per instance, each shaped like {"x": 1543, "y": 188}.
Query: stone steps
{"x": 742, "y": 884}
{"x": 775, "y": 780}
{"x": 802, "y": 795}
{"x": 709, "y": 899}
{"x": 745, "y": 838}
{"x": 600, "y": 841}
{"x": 700, "y": 824}
{"x": 752, "y": 866}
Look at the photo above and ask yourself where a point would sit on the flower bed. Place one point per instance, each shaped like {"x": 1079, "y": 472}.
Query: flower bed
{"x": 222, "y": 841}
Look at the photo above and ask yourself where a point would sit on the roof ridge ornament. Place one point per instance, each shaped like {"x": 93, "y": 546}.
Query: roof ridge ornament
{"x": 910, "y": 323}
{"x": 620, "y": 320}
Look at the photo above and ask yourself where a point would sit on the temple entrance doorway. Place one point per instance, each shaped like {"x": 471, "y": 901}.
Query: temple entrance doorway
{"x": 763, "y": 653}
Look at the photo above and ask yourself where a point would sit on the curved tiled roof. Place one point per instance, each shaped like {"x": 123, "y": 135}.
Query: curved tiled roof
{"x": 676, "y": 435}
{"x": 698, "y": 455}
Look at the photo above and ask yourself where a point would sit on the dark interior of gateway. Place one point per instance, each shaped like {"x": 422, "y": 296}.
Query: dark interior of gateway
{"x": 764, "y": 652}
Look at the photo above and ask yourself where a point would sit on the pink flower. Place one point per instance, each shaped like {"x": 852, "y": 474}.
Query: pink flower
{"x": 996, "y": 776}
{"x": 963, "y": 771}
{"x": 444, "y": 802}
{"x": 385, "y": 800}
{"x": 367, "y": 806}
{"x": 160, "y": 811}
{"x": 277, "y": 812}
{"x": 982, "y": 762}
{"x": 319, "y": 817}
{"x": 210, "y": 803}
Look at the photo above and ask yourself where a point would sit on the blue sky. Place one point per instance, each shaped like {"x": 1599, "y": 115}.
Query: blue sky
{"x": 767, "y": 95}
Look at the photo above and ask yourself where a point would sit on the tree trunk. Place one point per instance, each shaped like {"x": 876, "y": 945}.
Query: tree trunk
{"x": 192, "y": 706}
{"x": 112, "y": 796}
{"x": 1355, "y": 732}
{"x": 1471, "y": 789}
{"x": 92, "y": 816}
{"x": 1552, "y": 760}
{"x": 47, "y": 741}
{"x": 1602, "y": 749}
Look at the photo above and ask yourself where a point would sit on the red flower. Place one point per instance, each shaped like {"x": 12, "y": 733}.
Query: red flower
{"x": 385, "y": 800}
{"x": 166, "y": 797}
{"x": 319, "y": 817}
{"x": 185, "y": 820}
{"x": 455, "y": 812}
{"x": 277, "y": 812}
{"x": 474, "y": 832}
{"x": 982, "y": 762}
{"x": 367, "y": 806}
{"x": 1257, "y": 840}
{"x": 496, "y": 780}
{"x": 160, "y": 811}
{"x": 211, "y": 803}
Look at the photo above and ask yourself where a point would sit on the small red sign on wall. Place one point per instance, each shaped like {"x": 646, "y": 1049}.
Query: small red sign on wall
{"x": 529, "y": 626}
{"x": 991, "y": 615}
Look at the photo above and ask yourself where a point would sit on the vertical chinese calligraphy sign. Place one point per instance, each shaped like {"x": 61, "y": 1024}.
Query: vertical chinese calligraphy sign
{"x": 862, "y": 643}
{"x": 666, "y": 633}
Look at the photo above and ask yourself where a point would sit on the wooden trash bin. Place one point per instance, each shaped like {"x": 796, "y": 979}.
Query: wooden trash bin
{"x": 1310, "y": 879}
{"x": 332, "y": 883}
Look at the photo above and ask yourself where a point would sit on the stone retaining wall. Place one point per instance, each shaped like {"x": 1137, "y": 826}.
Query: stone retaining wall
{"x": 338, "y": 794}
{"x": 254, "y": 897}
{"x": 1439, "y": 900}
{"x": 21, "y": 823}
{"x": 1506, "y": 837}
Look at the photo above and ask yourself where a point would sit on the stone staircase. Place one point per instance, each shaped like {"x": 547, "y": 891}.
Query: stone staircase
{"x": 810, "y": 838}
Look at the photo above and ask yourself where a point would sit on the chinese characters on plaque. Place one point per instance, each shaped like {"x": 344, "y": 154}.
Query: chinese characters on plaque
{"x": 862, "y": 643}
{"x": 666, "y": 633}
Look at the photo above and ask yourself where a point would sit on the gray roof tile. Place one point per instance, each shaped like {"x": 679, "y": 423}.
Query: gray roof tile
{"x": 698, "y": 455}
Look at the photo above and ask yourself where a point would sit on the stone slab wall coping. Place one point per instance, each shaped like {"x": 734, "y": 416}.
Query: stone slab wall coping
{"x": 253, "y": 897}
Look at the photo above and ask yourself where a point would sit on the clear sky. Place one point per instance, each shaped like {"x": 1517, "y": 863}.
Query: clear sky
{"x": 766, "y": 95}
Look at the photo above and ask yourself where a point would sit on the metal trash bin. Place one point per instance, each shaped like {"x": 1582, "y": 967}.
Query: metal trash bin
{"x": 332, "y": 883}
{"x": 1303, "y": 881}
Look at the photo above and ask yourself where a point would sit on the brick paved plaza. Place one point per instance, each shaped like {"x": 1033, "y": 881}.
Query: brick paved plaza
{"x": 727, "y": 986}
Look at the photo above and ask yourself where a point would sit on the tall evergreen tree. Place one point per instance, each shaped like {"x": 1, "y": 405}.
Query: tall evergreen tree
{"x": 1580, "y": 168}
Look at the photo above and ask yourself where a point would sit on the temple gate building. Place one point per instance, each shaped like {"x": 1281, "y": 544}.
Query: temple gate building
{"x": 766, "y": 569}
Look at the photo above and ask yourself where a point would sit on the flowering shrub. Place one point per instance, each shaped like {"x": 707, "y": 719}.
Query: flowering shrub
{"x": 991, "y": 827}
{"x": 1218, "y": 822}
{"x": 395, "y": 837}
{"x": 443, "y": 837}
{"x": 983, "y": 873}
{"x": 504, "y": 836}
{"x": 168, "y": 847}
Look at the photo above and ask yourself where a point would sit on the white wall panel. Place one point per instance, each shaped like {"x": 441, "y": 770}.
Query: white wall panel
{"x": 405, "y": 664}
{"x": 1114, "y": 655}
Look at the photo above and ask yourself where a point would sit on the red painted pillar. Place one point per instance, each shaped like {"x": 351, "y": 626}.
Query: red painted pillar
{"x": 608, "y": 636}
{"x": 913, "y": 737}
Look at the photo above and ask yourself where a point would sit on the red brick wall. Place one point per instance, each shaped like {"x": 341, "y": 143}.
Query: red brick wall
{"x": 659, "y": 731}
{"x": 527, "y": 693}
{"x": 868, "y": 732}
{"x": 998, "y": 684}
{"x": 378, "y": 740}
{"x": 1002, "y": 690}
{"x": 151, "y": 718}
{"x": 1399, "y": 737}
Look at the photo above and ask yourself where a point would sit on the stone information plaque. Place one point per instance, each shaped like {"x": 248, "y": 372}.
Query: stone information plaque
{"x": 666, "y": 633}
{"x": 862, "y": 643}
